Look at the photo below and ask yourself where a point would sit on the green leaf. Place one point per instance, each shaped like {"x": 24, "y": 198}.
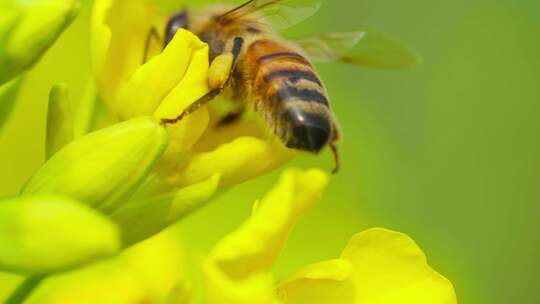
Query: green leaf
{"x": 45, "y": 234}
{"x": 28, "y": 30}
{"x": 59, "y": 120}
{"x": 103, "y": 168}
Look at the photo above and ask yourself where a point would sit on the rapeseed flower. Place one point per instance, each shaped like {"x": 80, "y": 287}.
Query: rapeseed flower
{"x": 88, "y": 226}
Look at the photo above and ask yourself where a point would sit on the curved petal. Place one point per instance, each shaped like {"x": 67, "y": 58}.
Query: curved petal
{"x": 239, "y": 160}
{"x": 238, "y": 268}
{"x": 327, "y": 282}
{"x": 255, "y": 246}
{"x": 119, "y": 30}
{"x": 220, "y": 288}
{"x": 390, "y": 268}
{"x": 169, "y": 82}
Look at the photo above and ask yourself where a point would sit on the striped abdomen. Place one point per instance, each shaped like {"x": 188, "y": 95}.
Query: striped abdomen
{"x": 287, "y": 92}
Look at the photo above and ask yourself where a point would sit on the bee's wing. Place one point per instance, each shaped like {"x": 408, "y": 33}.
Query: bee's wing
{"x": 365, "y": 48}
{"x": 280, "y": 14}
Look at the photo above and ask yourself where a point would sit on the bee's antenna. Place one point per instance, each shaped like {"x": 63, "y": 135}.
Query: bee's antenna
{"x": 337, "y": 159}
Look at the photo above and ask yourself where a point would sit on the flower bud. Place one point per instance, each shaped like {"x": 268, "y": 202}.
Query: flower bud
{"x": 45, "y": 234}
{"x": 104, "y": 168}
{"x": 28, "y": 30}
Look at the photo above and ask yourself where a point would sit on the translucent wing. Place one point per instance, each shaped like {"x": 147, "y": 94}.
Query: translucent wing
{"x": 366, "y": 48}
{"x": 280, "y": 14}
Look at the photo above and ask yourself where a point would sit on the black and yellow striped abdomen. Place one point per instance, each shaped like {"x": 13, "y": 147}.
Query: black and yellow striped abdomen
{"x": 287, "y": 92}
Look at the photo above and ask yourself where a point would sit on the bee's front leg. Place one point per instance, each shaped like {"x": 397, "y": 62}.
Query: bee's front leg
{"x": 220, "y": 74}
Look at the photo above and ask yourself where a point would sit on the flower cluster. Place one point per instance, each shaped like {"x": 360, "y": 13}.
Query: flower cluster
{"x": 88, "y": 226}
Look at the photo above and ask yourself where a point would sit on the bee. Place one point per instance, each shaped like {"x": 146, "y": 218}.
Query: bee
{"x": 274, "y": 76}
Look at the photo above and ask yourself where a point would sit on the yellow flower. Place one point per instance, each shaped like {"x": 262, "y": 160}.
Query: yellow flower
{"x": 167, "y": 84}
{"x": 113, "y": 191}
{"x": 378, "y": 266}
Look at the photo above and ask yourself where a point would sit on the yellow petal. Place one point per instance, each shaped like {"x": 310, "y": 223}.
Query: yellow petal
{"x": 255, "y": 246}
{"x": 239, "y": 160}
{"x": 191, "y": 86}
{"x": 100, "y": 36}
{"x": 238, "y": 268}
{"x": 326, "y": 282}
{"x": 182, "y": 66}
{"x": 390, "y": 268}
{"x": 194, "y": 80}
{"x": 219, "y": 288}
{"x": 145, "y": 273}
{"x": 180, "y": 294}
{"x": 119, "y": 31}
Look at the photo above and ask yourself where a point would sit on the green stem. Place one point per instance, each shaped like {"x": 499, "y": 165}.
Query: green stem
{"x": 25, "y": 289}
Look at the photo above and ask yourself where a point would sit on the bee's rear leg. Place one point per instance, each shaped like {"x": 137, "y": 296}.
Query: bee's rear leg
{"x": 152, "y": 34}
{"x": 193, "y": 107}
{"x": 337, "y": 158}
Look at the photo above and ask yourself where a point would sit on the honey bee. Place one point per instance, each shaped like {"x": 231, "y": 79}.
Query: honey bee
{"x": 274, "y": 76}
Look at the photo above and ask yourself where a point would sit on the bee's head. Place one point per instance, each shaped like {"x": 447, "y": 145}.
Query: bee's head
{"x": 176, "y": 22}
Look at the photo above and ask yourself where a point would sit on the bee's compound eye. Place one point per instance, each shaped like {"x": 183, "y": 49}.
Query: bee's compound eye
{"x": 176, "y": 22}
{"x": 179, "y": 20}
{"x": 310, "y": 130}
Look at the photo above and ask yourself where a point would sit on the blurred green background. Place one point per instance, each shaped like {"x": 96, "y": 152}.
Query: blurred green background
{"x": 447, "y": 152}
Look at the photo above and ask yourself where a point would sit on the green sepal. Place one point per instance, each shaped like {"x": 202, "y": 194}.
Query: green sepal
{"x": 59, "y": 120}
{"x": 144, "y": 217}
{"x": 8, "y": 95}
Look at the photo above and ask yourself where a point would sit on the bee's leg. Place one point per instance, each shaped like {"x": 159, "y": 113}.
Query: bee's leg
{"x": 152, "y": 34}
{"x": 335, "y": 149}
{"x": 222, "y": 68}
{"x": 337, "y": 159}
